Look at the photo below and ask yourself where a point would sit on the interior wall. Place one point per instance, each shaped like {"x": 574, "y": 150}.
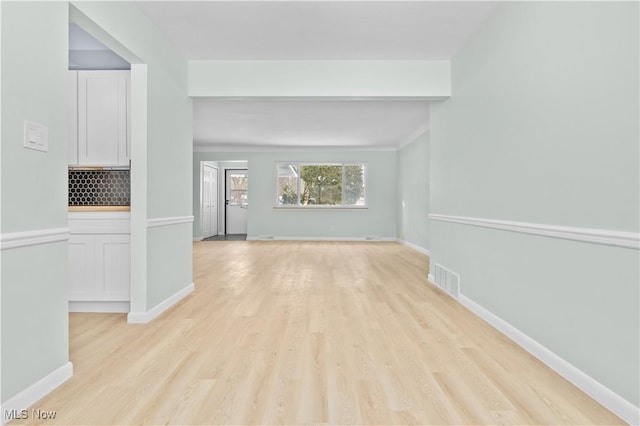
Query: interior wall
{"x": 34, "y": 193}
{"x": 413, "y": 192}
{"x": 169, "y": 190}
{"x": 542, "y": 128}
{"x": 320, "y": 78}
{"x": 379, "y": 220}
{"x": 167, "y": 182}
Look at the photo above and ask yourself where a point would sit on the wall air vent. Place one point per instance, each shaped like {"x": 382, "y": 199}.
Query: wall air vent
{"x": 446, "y": 279}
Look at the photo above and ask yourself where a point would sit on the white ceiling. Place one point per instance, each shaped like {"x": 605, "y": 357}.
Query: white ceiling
{"x": 329, "y": 30}
{"x": 314, "y": 30}
{"x": 307, "y": 123}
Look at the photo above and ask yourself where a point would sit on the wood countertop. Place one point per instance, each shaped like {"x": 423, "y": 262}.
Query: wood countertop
{"x": 99, "y": 208}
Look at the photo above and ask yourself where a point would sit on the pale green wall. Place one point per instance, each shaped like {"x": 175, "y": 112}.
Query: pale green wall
{"x": 168, "y": 146}
{"x": 170, "y": 255}
{"x": 320, "y": 78}
{"x": 378, "y": 220}
{"x": 169, "y": 190}
{"x": 542, "y": 127}
{"x": 34, "y": 192}
{"x": 413, "y": 192}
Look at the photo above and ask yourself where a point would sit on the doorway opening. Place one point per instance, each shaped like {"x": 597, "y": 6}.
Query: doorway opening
{"x": 224, "y": 201}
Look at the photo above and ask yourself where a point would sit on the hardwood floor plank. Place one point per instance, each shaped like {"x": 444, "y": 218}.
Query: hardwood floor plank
{"x": 309, "y": 333}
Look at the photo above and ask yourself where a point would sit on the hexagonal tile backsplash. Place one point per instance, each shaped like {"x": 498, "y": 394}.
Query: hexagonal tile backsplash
{"x": 99, "y": 188}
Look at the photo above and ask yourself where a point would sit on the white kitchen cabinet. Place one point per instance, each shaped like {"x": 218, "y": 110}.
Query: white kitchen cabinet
{"x": 81, "y": 267}
{"x": 102, "y": 119}
{"x": 99, "y": 262}
{"x": 72, "y": 116}
{"x": 112, "y": 260}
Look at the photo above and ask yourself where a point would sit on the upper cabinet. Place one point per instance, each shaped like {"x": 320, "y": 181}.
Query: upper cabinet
{"x": 72, "y": 116}
{"x": 99, "y": 118}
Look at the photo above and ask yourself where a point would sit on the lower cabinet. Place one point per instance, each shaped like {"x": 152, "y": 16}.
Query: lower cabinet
{"x": 99, "y": 268}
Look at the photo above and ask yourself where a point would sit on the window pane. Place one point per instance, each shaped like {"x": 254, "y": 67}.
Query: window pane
{"x": 287, "y": 185}
{"x": 354, "y": 185}
{"x": 321, "y": 185}
{"x": 239, "y": 181}
{"x": 238, "y": 197}
{"x": 238, "y": 190}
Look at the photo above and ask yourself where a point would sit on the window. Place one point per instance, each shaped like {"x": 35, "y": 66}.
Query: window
{"x": 321, "y": 185}
{"x": 238, "y": 182}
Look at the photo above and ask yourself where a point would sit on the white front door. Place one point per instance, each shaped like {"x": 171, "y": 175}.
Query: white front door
{"x": 237, "y": 185}
{"x": 209, "y": 201}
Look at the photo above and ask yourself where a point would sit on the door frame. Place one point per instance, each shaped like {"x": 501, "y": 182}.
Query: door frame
{"x": 246, "y": 169}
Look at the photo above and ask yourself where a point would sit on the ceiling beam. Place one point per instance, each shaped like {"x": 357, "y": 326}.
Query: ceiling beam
{"x": 320, "y": 79}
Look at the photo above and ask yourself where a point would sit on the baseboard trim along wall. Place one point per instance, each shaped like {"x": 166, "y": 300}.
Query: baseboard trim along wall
{"x": 166, "y": 221}
{"x": 31, "y": 238}
{"x": 36, "y": 391}
{"x": 414, "y": 246}
{"x": 99, "y": 307}
{"x": 596, "y": 390}
{"x": 588, "y": 235}
{"x": 272, "y": 238}
{"x": 145, "y": 317}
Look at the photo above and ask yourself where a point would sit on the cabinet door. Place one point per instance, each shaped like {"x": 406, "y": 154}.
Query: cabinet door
{"x": 112, "y": 267}
{"x": 103, "y": 114}
{"x": 72, "y": 117}
{"x": 81, "y": 268}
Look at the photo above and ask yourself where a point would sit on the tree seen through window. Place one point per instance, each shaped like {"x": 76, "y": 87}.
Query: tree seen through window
{"x": 321, "y": 184}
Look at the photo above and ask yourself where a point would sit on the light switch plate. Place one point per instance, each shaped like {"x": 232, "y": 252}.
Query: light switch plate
{"x": 36, "y": 136}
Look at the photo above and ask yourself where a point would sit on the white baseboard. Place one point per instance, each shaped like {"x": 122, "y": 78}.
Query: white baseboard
{"x": 198, "y": 238}
{"x": 150, "y": 315}
{"x": 596, "y": 390}
{"x": 36, "y": 391}
{"x": 99, "y": 306}
{"x": 360, "y": 239}
{"x": 414, "y": 246}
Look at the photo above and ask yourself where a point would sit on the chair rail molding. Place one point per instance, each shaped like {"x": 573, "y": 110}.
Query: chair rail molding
{"x": 166, "y": 221}
{"x": 588, "y": 235}
{"x": 13, "y": 240}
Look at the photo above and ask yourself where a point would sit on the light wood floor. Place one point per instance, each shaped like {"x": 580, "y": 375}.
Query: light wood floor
{"x": 290, "y": 333}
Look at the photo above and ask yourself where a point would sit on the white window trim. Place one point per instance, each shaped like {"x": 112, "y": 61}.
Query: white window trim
{"x": 299, "y": 206}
